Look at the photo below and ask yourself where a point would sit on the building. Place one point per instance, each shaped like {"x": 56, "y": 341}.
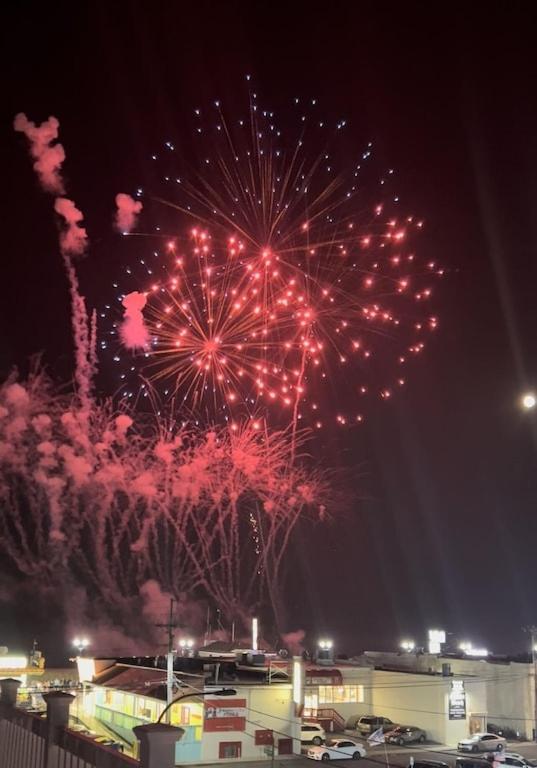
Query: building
{"x": 448, "y": 708}
{"x": 261, "y": 712}
{"x": 509, "y": 682}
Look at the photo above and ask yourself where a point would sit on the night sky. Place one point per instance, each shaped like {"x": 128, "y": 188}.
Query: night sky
{"x": 444, "y": 529}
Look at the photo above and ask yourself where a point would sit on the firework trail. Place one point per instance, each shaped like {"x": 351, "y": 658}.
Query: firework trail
{"x": 278, "y": 287}
{"x": 119, "y": 504}
{"x": 49, "y": 158}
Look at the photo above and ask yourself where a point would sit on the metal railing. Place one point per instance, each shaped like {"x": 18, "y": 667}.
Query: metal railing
{"x": 29, "y": 740}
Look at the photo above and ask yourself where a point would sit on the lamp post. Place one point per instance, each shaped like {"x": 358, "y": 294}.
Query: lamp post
{"x": 407, "y": 645}
{"x": 196, "y": 694}
{"x": 81, "y": 643}
{"x": 186, "y": 645}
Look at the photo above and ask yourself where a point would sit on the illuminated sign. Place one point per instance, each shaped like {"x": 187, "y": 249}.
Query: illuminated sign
{"x": 457, "y": 700}
{"x": 437, "y": 637}
{"x": 13, "y": 662}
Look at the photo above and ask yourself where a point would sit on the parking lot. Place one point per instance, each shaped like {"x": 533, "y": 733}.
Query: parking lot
{"x": 399, "y": 757}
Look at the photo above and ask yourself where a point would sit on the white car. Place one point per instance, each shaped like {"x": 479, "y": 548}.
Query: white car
{"x": 312, "y": 733}
{"x": 519, "y": 761}
{"x": 482, "y": 742}
{"x": 337, "y": 749}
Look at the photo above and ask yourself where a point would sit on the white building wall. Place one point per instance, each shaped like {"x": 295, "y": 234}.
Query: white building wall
{"x": 268, "y": 707}
{"x": 510, "y": 685}
{"x": 412, "y": 699}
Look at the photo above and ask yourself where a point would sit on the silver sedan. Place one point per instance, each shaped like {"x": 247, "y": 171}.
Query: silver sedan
{"x": 482, "y": 742}
{"x": 406, "y": 734}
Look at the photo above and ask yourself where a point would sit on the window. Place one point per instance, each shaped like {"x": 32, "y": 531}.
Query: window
{"x": 146, "y": 709}
{"x": 227, "y": 749}
{"x": 128, "y": 704}
{"x": 341, "y": 694}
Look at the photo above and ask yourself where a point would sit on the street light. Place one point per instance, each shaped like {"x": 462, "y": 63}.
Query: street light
{"x": 221, "y": 692}
{"x": 408, "y": 645}
{"x": 468, "y": 649}
{"x": 186, "y": 644}
{"x": 81, "y": 643}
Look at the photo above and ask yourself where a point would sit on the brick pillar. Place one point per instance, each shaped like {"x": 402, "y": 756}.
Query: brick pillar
{"x": 8, "y": 696}
{"x": 58, "y": 704}
{"x": 157, "y": 744}
{"x": 8, "y": 691}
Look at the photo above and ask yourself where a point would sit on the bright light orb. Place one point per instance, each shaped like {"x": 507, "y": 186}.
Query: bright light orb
{"x": 529, "y": 401}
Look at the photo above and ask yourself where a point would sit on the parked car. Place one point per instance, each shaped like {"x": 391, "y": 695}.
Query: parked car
{"x": 312, "y": 733}
{"x": 406, "y": 734}
{"x": 337, "y": 749}
{"x": 429, "y": 764}
{"x": 503, "y": 730}
{"x": 368, "y": 724}
{"x": 472, "y": 762}
{"x": 519, "y": 761}
{"x": 482, "y": 742}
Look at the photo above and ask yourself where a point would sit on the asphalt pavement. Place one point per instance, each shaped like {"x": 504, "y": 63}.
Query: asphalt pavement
{"x": 382, "y": 757}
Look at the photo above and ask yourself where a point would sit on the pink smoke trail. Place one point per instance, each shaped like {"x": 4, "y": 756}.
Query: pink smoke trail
{"x": 133, "y": 331}
{"x": 48, "y": 156}
{"x": 127, "y": 212}
{"x": 73, "y": 238}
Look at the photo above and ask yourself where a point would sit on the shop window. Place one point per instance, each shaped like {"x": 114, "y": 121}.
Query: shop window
{"x": 340, "y": 694}
{"x": 144, "y": 709}
{"x": 311, "y": 703}
{"x": 180, "y": 715}
{"x": 227, "y": 749}
{"x": 118, "y": 700}
{"x": 128, "y": 704}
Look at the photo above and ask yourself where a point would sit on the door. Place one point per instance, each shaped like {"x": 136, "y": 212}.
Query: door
{"x": 477, "y": 724}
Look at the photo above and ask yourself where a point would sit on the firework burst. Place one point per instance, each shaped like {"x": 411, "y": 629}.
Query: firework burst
{"x": 296, "y": 287}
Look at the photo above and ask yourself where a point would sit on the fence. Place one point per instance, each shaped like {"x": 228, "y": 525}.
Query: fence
{"x": 28, "y": 740}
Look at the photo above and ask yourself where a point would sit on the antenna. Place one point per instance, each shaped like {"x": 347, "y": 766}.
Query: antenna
{"x": 169, "y": 626}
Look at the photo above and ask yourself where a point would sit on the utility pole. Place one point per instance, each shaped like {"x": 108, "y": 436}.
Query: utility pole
{"x": 169, "y": 626}
{"x": 532, "y": 631}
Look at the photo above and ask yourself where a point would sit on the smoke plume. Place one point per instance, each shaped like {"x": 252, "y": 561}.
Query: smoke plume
{"x": 73, "y": 238}
{"x": 127, "y": 212}
{"x": 48, "y": 156}
{"x": 133, "y": 331}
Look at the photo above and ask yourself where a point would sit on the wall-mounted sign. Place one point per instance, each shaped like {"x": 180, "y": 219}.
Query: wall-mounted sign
{"x": 457, "y": 700}
{"x": 228, "y": 716}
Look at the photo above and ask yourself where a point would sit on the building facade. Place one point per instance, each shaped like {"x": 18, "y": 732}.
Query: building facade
{"x": 509, "y": 683}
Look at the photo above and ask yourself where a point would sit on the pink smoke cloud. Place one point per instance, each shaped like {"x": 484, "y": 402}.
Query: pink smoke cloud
{"x": 73, "y": 238}
{"x": 48, "y": 156}
{"x": 133, "y": 331}
{"x": 295, "y": 641}
{"x": 127, "y": 212}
